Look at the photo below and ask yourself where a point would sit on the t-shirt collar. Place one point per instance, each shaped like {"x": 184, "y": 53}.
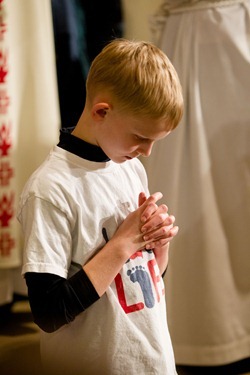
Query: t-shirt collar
{"x": 79, "y": 147}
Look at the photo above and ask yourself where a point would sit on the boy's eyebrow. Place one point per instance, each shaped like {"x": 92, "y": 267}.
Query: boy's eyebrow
{"x": 149, "y": 139}
{"x": 141, "y": 136}
{"x": 145, "y": 138}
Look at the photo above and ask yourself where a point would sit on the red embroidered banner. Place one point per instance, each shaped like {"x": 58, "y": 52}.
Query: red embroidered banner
{"x": 29, "y": 109}
{"x": 9, "y": 255}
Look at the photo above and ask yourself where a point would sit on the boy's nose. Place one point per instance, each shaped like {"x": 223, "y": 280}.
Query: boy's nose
{"x": 145, "y": 149}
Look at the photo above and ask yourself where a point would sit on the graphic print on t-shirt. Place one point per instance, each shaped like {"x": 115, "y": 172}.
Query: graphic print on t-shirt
{"x": 141, "y": 277}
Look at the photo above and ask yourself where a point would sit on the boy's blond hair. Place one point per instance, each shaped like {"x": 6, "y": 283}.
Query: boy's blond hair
{"x": 140, "y": 78}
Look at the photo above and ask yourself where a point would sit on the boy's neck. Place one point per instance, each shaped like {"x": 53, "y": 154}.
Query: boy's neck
{"x": 83, "y": 130}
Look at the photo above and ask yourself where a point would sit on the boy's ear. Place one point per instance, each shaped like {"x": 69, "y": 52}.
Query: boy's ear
{"x": 100, "y": 110}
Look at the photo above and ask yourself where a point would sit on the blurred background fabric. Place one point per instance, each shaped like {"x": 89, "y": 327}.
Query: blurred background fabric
{"x": 29, "y": 119}
{"x": 203, "y": 170}
{"x": 81, "y": 29}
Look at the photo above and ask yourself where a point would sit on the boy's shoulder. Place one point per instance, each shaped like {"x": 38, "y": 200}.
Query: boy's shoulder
{"x": 42, "y": 180}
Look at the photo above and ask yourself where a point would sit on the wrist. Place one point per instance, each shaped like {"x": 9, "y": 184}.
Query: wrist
{"x": 162, "y": 257}
{"x": 105, "y": 265}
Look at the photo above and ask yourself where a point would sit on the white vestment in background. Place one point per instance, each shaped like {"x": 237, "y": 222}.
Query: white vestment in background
{"x": 29, "y": 118}
{"x": 203, "y": 170}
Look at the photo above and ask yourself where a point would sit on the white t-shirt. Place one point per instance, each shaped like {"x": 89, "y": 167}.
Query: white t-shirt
{"x": 65, "y": 208}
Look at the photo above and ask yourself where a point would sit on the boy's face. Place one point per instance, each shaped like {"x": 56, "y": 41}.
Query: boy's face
{"x": 123, "y": 137}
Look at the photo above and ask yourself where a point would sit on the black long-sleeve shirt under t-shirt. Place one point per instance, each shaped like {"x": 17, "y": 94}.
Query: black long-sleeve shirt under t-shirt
{"x": 56, "y": 301}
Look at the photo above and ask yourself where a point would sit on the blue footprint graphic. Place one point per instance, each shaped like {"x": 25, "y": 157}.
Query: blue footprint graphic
{"x": 140, "y": 275}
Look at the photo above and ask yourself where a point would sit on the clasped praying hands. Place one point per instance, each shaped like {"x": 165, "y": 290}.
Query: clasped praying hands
{"x": 157, "y": 226}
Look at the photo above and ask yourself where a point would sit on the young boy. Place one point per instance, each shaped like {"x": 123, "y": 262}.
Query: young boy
{"x": 93, "y": 259}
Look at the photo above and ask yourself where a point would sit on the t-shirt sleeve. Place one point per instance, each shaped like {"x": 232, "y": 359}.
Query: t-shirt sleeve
{"x": 47, "y": 237}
